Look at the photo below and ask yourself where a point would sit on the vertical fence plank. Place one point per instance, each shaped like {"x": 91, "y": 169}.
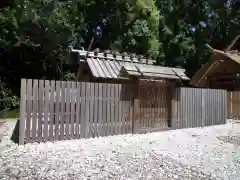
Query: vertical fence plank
{"x": 83, "y": 111}
{"x": 87, "y": 108}
{"x": 130, "y": 107}
{"x": 180, "y": 108}
{"x": 229, "y": 104}
{"x": 114, "y": 120}
{"x": 155, "y": 107}
{"x": 78, "y": 99}
{"x": 136, "y": 108}
{"x": 35, "y": 110}
{"x": 57, "y": 110}
{"x": 216, "y": 121}
{"x": 22, "y": 112}
{"x": 120, "y": 102}
{"x": 159, "y": 101}
{"x": 104, "y": 111}
{"x": 100, "y": 110}
{"x": 238, "y": 103}
{"x": 112, "y": 109}
{"x": 236, "y": 107}
{"x": 95, "y": 108}
{"x": 204, "y": 114}
{"x": 173, "y": 107}
{"x": 125, "y": 108}
{"x": 234, "y": 104}
{"x": 108, "y": 125}
{"x": 91, "y": 110}
{"x": 51, "y": 110}
{"x": 115, "y": 115}
{"x": 68, "y": 105}
{"x": 72, "y": 109}
{"x": 117, "y": 109}
{"x": 41, "y": 110}
{"x": 63, "y": 115}
{"x": 46, "y": 111}
{"x": 224, "y": 105}
{"x": 29, "y": 110}
{"x": 178, "y": 125}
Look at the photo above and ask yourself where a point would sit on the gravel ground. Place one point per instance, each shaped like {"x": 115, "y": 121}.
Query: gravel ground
{"x": 197, "y": 153}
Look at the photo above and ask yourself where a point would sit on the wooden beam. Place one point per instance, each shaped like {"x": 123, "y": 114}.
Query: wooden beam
{"x": 136, "y": 118}
{"x": 22, "y": 112}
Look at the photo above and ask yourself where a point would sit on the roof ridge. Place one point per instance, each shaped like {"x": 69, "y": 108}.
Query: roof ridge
{"x": 111, "y": 55}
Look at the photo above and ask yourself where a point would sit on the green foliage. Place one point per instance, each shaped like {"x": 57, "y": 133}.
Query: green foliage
{"x": 142, "y": 34}
{"x": 35, "y": 35}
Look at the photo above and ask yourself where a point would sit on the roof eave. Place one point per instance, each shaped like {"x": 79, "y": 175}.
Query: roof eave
{"x": 197, "y": 78}
{"x": 203, "y": 71}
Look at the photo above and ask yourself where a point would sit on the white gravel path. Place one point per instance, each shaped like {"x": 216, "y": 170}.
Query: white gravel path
{"x": 178, "y": 154}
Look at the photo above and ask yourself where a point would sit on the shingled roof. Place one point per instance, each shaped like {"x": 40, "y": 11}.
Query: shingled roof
{"x": 122, "y": 66}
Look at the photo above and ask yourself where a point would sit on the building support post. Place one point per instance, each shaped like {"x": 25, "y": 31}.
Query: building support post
{"x": 136, "y": 107}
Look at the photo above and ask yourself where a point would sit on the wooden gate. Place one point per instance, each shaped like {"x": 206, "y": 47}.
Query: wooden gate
{"x": 154, "y": 106}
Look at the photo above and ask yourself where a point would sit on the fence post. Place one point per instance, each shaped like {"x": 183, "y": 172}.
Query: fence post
{"x": 174, "y": 120}
{"x": 136, "y": 122}
{"x": 22, "y": 112}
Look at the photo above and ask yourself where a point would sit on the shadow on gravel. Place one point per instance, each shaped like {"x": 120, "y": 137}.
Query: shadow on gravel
{"x": 230, "y": 139}
{"x": 15, "y": 135}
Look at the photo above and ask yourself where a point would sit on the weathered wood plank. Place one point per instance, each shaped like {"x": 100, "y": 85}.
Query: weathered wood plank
{"x": 68, "y": 104}
{"x": 87, "y": 108}
{"x": 46, "y": 111}
{"x": 130, "y": 108}
{"x": 123, "y": 107}
{"x": 29, "y": 110}
{"x": 108, "y": 127}
{"x": 22, "y": 112}
{"x": 35, "y": 110}
{"x": 91, "y": 110}
{"x": 51, "y": 110}
{"x": 72, "y": 111}
{"x": 78, "y": 109}
{"x": 120, "y": 109}
{"x": 57, "y": 111}
{"x": 100, "y": 110}
{"x": 136, "y": 108}
{"x": 62, "y": 116}
{"x": 104, "y": 110}
{"x": 95, "y": 109}
{"x": 41, "y": 110}
{"x": 83, "y": 116}
{"x": 112, "y": 126}
{"x": 117, "y": 109}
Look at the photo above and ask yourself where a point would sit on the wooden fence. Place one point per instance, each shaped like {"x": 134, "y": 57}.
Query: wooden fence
{"x": 58, "y": 110}
{"x": 196, "y": 107}
{"x": 234, "y": 105}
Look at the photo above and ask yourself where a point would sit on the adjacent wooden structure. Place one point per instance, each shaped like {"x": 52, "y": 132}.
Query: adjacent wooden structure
{"x": 222, "y": 71}
{"x": 234, "y": 105}
{"x": 60, "y": 110}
